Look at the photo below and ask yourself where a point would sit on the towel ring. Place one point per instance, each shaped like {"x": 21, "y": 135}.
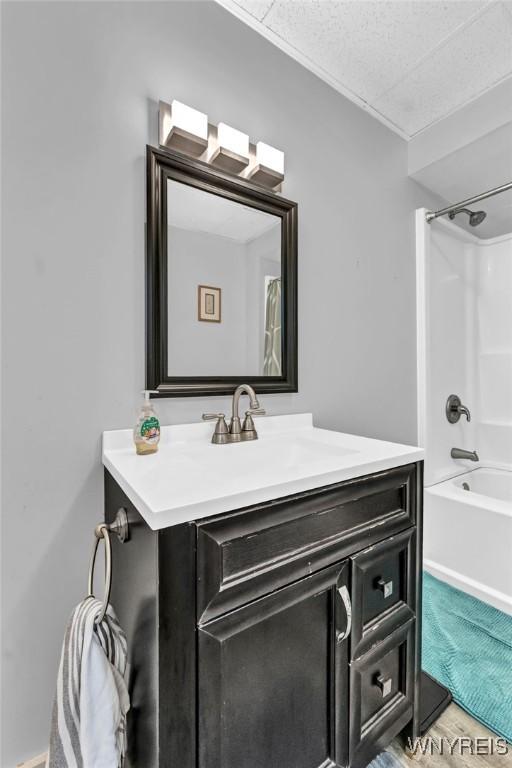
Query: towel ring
{"x": 102, "y": 532}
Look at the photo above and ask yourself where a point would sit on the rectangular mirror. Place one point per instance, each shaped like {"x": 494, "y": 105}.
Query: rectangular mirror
{"x": 222, "y": 276}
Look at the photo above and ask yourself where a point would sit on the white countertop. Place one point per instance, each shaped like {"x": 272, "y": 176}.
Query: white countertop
{"x": 189, "y": 478}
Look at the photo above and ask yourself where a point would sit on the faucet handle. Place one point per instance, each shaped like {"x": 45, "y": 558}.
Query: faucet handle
{"x": 221, "y": 433}
{"x": 454, "y": 409}
{"x": 248, "y": 428}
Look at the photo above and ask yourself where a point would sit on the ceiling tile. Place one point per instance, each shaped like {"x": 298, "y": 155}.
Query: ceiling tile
{"x": 366, "y": 46}
{"x": 472, "y": 61}
{"x": 257, "y": 8}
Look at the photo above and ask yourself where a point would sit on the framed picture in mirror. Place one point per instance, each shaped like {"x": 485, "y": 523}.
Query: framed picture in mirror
{"x": 209, "y": 307}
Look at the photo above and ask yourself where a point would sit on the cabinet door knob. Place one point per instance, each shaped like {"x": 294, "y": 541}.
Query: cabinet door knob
{"x": 344, "y": 594}
{"x": 385, "y": 684}
{"x": 386, "y": 587}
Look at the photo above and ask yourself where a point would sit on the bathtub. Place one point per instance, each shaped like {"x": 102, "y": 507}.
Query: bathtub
{"x": 468, "y": 534}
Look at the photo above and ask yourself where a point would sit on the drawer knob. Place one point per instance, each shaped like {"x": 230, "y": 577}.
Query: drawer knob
{"x": 386, "y": 587}
{"x": 385, "y": 684}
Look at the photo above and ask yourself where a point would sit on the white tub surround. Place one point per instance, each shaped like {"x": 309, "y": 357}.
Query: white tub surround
{"x": 464, "y": 333}
{"x": 468, "y": 534}
{"x": 464, "y": 339}
{"x": 446, "y": 347}
{"x": 494, "y": 347}
{"x": 189, "y": 478}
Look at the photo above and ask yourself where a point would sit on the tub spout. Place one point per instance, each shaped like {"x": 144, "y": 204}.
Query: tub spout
{"x": 460, "y": 453}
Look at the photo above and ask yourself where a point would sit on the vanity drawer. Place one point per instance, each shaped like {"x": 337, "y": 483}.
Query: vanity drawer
{"x": 383, "y": 590}
{"x": 252, "y": 552}
{"x": 382, "y": 686}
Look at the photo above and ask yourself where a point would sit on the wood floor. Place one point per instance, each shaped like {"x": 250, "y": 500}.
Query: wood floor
{"x": 452, "y": 724}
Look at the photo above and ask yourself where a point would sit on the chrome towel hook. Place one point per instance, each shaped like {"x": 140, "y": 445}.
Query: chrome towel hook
{"x": 102, "y": 532}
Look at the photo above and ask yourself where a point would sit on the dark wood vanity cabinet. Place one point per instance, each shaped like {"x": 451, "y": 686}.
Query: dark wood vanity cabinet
{"x": 284, "y": 635}
{"x": 273, "y": 686}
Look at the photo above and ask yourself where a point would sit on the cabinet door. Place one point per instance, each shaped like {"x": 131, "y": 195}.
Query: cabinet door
{"x": 273, "y": 679}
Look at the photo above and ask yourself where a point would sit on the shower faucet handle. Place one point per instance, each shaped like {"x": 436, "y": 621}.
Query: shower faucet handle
{"x": 455, "y": 409}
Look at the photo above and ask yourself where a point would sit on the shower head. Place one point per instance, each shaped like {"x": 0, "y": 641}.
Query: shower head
{"x": 475, "y": 217}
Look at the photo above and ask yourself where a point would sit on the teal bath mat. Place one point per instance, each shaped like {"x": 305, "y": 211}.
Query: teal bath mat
{"x": 467, "y": 646}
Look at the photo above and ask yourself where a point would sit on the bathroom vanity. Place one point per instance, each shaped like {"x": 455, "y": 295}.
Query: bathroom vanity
{"x": 270, "y": 592}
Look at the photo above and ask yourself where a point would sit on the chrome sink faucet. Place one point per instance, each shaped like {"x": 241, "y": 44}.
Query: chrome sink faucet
{"x": 236, "y": 432}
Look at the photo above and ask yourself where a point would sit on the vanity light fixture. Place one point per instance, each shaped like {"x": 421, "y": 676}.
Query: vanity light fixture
{"x": 232, "y": 151}
{"x": 185, "y": 129}
{"x": 269, "y": 167}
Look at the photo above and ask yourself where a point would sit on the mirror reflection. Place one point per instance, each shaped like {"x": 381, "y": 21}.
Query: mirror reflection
{"x": 224, "y": 286}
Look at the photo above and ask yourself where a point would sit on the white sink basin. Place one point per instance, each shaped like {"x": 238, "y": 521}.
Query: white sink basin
{"x": 270, "y": 454}
{"x": 190, "y": 478}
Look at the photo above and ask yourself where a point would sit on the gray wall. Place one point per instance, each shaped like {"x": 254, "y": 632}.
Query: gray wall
{"x": 81, "y": 82}
{"x": 202, "y": 348}
{"x": 235, "y": 346}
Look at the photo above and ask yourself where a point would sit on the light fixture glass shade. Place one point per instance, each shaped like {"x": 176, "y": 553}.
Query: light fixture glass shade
{"x": 189, "y": 119}
{"x": 232, "y": 150}
{"x": 231, "y": 139}
{"x": 183, "y": 128}
{"x": 268, "y": 169}
{"x": 270, "y": 157}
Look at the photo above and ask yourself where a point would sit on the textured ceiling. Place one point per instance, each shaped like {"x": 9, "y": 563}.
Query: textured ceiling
{"x": 199, "y": 211}
{"x": 409, "y": 62}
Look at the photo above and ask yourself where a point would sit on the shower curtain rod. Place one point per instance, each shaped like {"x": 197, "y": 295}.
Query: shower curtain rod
{"x": 430, "y": 215}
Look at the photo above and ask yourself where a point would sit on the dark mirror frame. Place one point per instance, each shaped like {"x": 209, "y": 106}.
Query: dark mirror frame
{"x": 161, "y": 166}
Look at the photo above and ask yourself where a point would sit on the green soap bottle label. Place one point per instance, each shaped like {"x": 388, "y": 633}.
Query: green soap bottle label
{"x": 150, "y": 430}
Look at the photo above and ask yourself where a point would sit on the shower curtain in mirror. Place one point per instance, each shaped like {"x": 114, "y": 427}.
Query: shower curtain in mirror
{"x": 272, "y": 353}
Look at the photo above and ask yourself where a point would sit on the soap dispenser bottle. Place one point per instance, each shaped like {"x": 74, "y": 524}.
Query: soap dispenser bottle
{"x": 146, "y": 434}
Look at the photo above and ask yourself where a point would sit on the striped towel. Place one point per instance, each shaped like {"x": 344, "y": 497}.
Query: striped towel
{"x": 88, "y": 727}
